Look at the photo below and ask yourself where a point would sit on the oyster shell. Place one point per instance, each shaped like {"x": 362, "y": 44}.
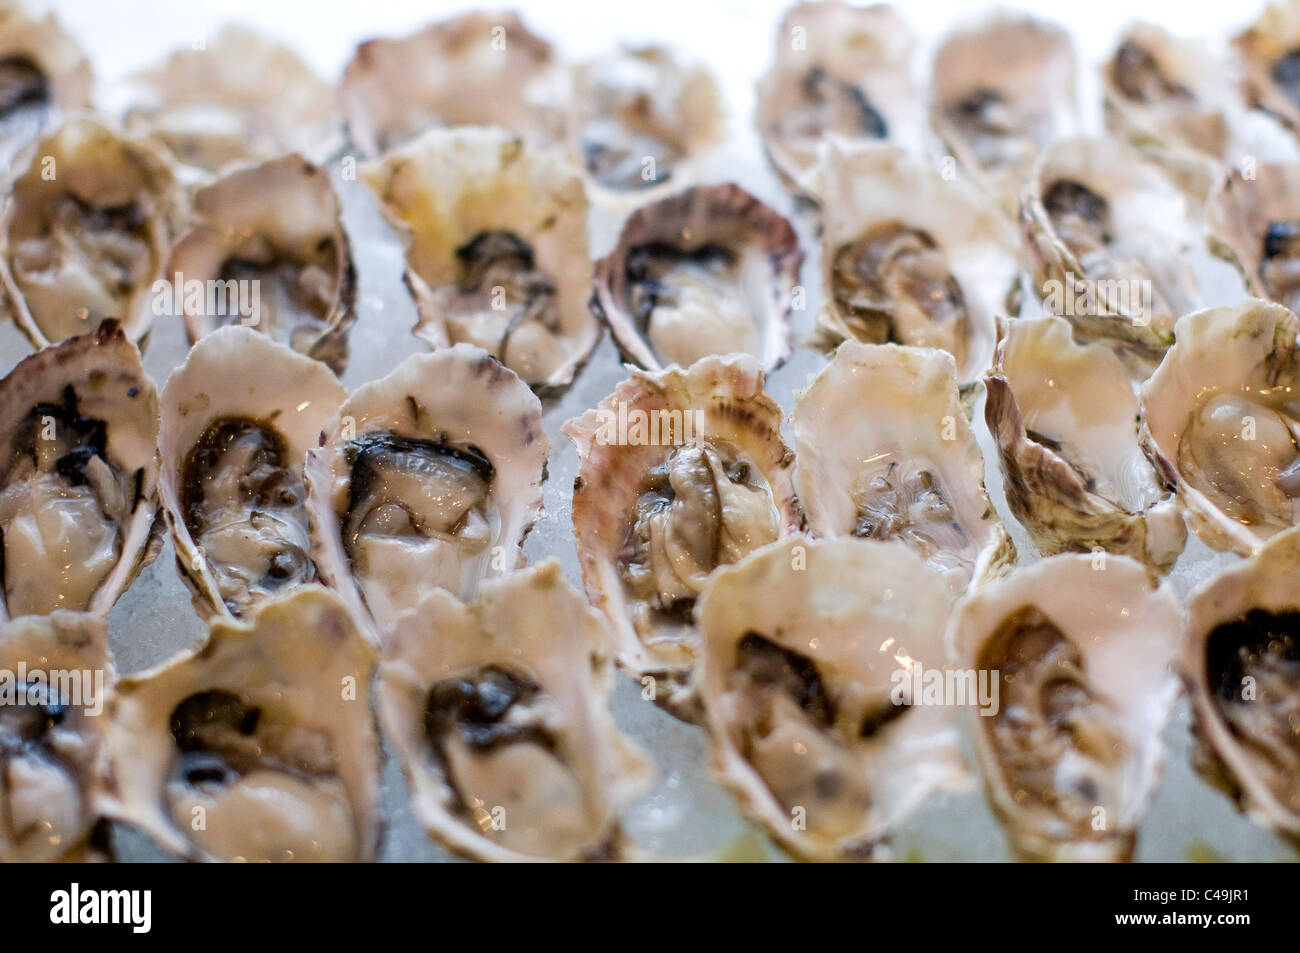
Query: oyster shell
{"x": 240, "y": 95}
{"x": 479, "y": 68}
{"x": 913, "y": 258}
{"x": 232, "y": 452}
{"x": 1241, "y": 667}
{"x": 496, "y": 247}
{"x": 499, "y": 713}
{"x": 884, "y": 451}
{"x": 1082, "y": 649}
{"x": 1221, "y": 422}
{"x": 1255, "y": 224}
{"x": 78, "y": 475}
{"x": 1269, "y": 51}
{"x": 801, "y": 643}
{"x": 1064, "y": 416}
{"x": 273, "y": 228}
{"x": 840, "y": 72}
{"x": 709, "y": 270}
{"x": 44, "y": 75}
{"x": 643, "y": 117}
{"x": 1109, "y": 234}
{"x": 84, "y": 233}
{"x": 429, "y": 478}
{"x": 1001, "y": 90}
{"x": 680, "y": 471}
{"x": 50, "y": 735}
{"x": 258, "y": 745}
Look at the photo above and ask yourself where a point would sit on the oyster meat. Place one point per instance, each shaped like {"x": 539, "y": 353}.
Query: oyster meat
{"x": 840, "y": 72}
{"x": 84, "y": 233}
{"x": 1064, "y": 416}
{"x": 1255, "y": 224}
{"x": 1082, "y": 650}
{"x": 258, "y": 745}
{"x": 805, "y": 644}
{"x": 267, "y": 249}
{"x": 238, "y": 418}
{"x": 680, "y": 471}
{"x": 496, "y": 247}
{"x": 78, "y": 475}
{"x": 427, "y": 479}
{"x": 709, "y": 270}
{"x": 499, "y": 712}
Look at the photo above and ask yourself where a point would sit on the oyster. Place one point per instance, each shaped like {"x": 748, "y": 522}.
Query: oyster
{"x": 238, "y": 418}
{"x": 44, "y": 75}
{"x": 84, "y": 233}
{"x": 1082, "y": 650}
{"x": 240, "y": 96}
{"x": 479, "y": 68}
{"x": 496, "y": 248}
{"x": 1269, "y": 51}
{"x": 804, "y": 645}
{"x": 709, "y": 270}
{"x": 680, "y": 471}
{"x": 913, "y": 258}
{"x": 499, "y": 713}
{"x": 258, "y": 745}
{"x": 1109, "y": 234}
{"x": 884, "y": 451}
{"x": 427, "y": 479}
{"x": 1255, "y": 224}
{"x": 1064, "y": 416}
{"x": 642, "y": 117}
{"x": 1241, "y": 666}
{"x": 1221, "y": 422}
{"x": 273, "y": 228}
{"x": 50, "y": 735}
{"x": 840, "y": 72}
{"x": 78, "y": 475}
{"x": 1001, "y": 91}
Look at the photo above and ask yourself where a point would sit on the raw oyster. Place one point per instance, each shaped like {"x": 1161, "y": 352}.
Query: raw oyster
{"x": 1221, "y": 422}
{"x": 913, "y": 258}
{"x": 78, "y": 475}
{"x": 1241, "y": 667}
{"x": 642, "y": 117}
{"x": 1082, "y": 649}
{"x": 258, "y": 745}
{"x": 496, "y": 248}
{"x": 429, "y": 478}
{"x": 499, "y": 713}
{"x": 840, "y": 72}
{"x": 805, "y": 643}
{"x": 44, "y": 75}
{"x": 1109, "y": 234}
{"x": 58, "y": 672}
{"x": 1064, "y": 416}
{"x": 884, "y": 451}
{"x": 709, "y": 270}
{"x": 1001, "y": 91}
{"x": 273, "y": 228}
{"x": 479, "y": 68}
{"x": 1255, "y": 224}
{"x": 1270, "y": 56}
{"x": 680, "y": 471}
{"x": 239, "y": 96}
{"x": 238, "y": 418}
{"x": 84, "y": 233}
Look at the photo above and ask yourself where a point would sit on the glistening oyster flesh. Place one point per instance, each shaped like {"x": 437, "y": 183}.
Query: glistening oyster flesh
{"x": 709, "y": 270}
{"x": 680, "y": 472}
{"x": 805, "y": 644}
{"x": 499, "y": 713}
{"x": 1082, "y": 649}
{"x": 78, "y": 475}
{"x": 258, "y": 745}
{"x": 238, "y": 418}
{"x": 426, "y": 479}
{"x": 496, "y": 247}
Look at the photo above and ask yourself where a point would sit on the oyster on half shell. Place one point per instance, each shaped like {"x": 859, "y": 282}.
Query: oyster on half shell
{"x": 1255, "y": 224}
{"x": 499, "y": 712}
{"x": 1269, "y": 51}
